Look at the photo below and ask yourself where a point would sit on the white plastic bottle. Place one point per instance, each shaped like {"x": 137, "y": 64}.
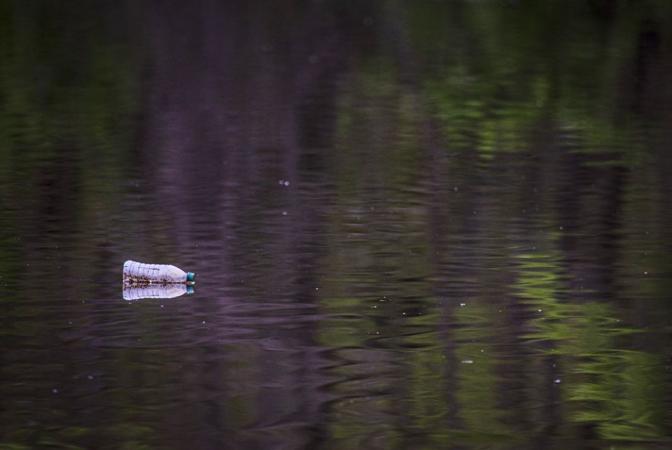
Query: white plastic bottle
{"x": 144, "y": 291}
{"x": 141, "y": 273}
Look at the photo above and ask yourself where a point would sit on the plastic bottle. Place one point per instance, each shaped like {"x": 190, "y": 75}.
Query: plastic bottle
{"x": 142, "y": 274}
{"x": 139, "y": 292}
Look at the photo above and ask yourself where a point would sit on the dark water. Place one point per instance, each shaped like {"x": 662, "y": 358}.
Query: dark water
{"x": 416, "y": 225}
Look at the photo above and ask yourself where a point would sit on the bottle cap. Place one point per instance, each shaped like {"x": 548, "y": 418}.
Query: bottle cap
{"x": 191, "y": 277}
{"x": 190, "y": 290}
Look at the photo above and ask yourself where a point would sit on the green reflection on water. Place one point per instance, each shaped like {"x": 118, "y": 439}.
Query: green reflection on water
{"x": 502, "y": 71}
{"x": 622, "y": 391}
{"x": 618, "y": 390}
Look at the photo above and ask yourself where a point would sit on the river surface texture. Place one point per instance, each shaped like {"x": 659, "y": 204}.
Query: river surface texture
{"x": 415, "y": 224}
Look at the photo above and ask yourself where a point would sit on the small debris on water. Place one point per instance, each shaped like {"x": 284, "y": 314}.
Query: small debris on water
{"x": 467, "y": 361}
{"x": 557, "y": 381}
{"x": 463, "y": 304}
{"x": 54, "y": 391}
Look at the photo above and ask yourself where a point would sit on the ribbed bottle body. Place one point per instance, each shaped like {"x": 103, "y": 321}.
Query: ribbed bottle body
{"x": 141, "y": 273}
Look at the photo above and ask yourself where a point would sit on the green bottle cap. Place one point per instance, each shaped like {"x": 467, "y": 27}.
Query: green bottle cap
{"x": 190, "y": 290}
{"x": 191, "y": 277}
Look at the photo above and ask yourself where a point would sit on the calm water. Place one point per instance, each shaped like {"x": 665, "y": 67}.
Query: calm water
{"x": 416, "y": 225}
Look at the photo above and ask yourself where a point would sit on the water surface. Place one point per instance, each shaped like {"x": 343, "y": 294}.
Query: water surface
{"x": 416, "y": 225}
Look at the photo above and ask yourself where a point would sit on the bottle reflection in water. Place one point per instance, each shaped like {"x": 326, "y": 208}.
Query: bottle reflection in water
{"x": 156, "y": 291}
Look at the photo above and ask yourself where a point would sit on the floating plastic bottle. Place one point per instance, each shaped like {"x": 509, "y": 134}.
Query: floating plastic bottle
{"x": 137, "y": 273}
{"x": 149, "y": 291}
